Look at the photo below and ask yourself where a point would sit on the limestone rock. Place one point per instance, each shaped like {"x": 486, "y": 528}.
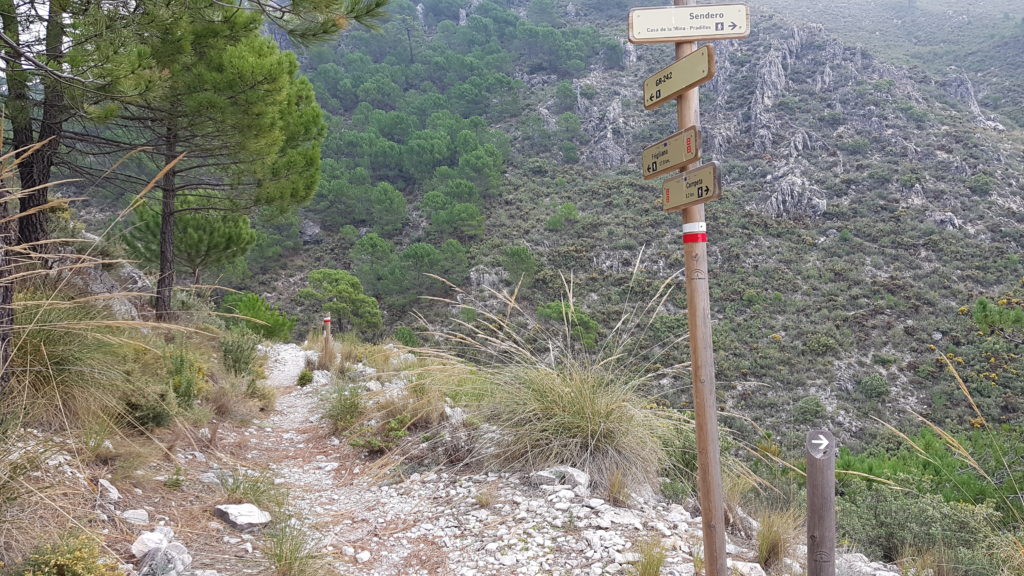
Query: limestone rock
{"x": 243, "y": 517}
{"x": 148, "y": 541}
{"x": 108, "y": 492}
{"x": 136, "y": 516}
{"x": 746, "y": 568}
{"x": 170, "y": 560}
{"x": 945, "y": 220}
{"x": 793, "y": 196}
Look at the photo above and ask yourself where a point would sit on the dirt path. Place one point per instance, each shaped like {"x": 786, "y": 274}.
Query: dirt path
{"x": 392, "y": 518}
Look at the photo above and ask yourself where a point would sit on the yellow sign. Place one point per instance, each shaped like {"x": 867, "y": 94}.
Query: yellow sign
{"x": 692, "y": 70}
{"x": 671, "y": 153}
{"x": 688, "y": 23}
{"x": 693, "y": 187}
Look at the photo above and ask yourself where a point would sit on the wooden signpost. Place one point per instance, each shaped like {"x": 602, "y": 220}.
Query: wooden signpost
{"x": 697, "y": 186}
{"x": 683, "y": 74}
{"x": 671, "y": 153}
{"x": 688, "y": 23}
{"x": 684, "y": 23}
{"x": 821, "y": 503}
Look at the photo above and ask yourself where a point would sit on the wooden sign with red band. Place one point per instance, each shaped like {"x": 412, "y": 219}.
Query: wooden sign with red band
{"x": 671, "y": 153}
{"x": 697, "y": 186}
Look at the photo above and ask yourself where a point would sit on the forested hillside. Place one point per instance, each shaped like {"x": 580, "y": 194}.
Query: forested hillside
{"x": 866, "y": 203}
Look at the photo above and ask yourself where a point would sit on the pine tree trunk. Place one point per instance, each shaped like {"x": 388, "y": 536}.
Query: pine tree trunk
{"x": 35, "y": 170}
{"x": 18, "y": 111}
{"x": 165, "y": 284}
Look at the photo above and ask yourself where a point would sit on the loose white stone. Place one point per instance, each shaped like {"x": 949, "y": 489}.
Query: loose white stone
{"x": 108, "y": 492}
{"x": 363, "y": 556}
{"x": 136, "y": 516}
{"x": 242, "y": 516}
{"x": 746, "y": 568}
{"x": 146, "y": 542}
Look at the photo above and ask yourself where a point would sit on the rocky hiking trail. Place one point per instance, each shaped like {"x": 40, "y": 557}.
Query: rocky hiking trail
{"x": 368, "y": 519}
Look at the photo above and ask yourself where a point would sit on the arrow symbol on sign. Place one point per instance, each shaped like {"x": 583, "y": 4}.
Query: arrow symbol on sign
{"x": 821, "y": 442}
{"x": 733, "y": 25}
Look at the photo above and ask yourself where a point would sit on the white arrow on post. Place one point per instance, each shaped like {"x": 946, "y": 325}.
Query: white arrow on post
{"x": 821, "y": 442}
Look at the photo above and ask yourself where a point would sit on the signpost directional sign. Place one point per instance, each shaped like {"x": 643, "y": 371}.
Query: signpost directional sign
{"x": 671, "y": 153}
{"x": 683, "y": 74}
{"x": 688, "y": 23}
{"x": 697, "y": 186}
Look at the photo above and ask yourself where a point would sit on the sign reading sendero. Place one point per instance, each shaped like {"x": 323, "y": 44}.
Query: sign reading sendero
{"x": 693, "y": 70}
{"x": 688, "y": 23}
{"x": 671, "y": 153}
{"x": 697, "y": 186}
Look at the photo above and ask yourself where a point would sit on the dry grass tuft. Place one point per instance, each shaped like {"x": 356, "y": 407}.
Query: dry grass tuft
{"x": 777, "y": 535}
{"x": 557, "y": 398}
{"x": 652, "y": 558}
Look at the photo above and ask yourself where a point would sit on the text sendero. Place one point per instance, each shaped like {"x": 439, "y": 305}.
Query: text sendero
{"x": 706, "y": 15}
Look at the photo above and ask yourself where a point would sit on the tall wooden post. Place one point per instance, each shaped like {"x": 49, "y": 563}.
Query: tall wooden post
{"x": 698, "y": 304}
{"x": 821, "y": 503}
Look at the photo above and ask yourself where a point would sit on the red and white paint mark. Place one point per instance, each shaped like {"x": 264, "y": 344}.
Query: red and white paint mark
{"x": 695, "y": 232}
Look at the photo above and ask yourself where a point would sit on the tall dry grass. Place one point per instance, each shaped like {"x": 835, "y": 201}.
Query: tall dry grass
{"x": 556, "y": 400}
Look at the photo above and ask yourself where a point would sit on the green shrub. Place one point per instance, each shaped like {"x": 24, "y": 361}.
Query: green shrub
{"x": 267, "y": 321}
{"x": 80, "y": 556}
{"x": 384, "y": 437}
{"x": 238, "y": 347}
{"x": 520, "y": 264}
{"x": 407, "y": 337}
{"x": 821, "y": 344}
{"x": 577, "y": 322}
{"x": 305, "y": 378}
{"x": 882, "y": 522}
{"x": 809, "y": 410}
{"x": 874, "y": 387}
{"x": 981, "y": 184}
{"x": 555, "y": 223}
{"x": 344, "y": 408}
{"x": 186, "y": 376}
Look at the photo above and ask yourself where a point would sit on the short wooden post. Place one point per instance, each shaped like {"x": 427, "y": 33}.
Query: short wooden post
{"x": 821, "y": 503}
{"x": 326, "y": 361}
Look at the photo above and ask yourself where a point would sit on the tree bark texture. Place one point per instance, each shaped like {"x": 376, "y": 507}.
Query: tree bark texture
{"x": 165, "y": 283}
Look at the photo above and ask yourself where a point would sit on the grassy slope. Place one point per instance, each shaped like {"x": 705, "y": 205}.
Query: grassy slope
{"x": 813, "y": 305}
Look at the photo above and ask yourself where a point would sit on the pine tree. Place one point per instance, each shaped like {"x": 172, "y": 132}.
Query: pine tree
{"x": 228, "y": 113}
{"x": 205, "y": 236}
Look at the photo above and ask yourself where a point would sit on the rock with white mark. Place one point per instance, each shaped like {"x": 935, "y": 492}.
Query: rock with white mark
{"x": 243, "y": 517}
{"x": 363, "y": 556}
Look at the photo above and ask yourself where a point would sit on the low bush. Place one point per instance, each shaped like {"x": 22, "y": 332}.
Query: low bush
{"x": 344, "y": 408}
{"x": 258, "y": 316}
{"x": 187, "y": 377}
{"x": 78, "y": 556}
{"x": 883, "y": 523}
{"x": 305, "y": 378}
{"x": 239, "y": 349}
